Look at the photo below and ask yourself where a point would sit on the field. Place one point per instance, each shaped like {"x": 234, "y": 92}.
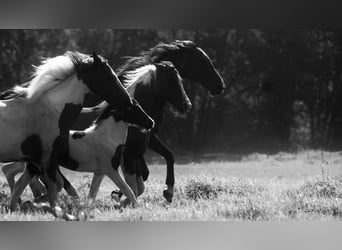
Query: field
{"x": 303, "y": 186}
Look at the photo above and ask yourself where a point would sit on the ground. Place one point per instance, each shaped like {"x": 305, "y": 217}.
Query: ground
{"x": 303, "y": 186}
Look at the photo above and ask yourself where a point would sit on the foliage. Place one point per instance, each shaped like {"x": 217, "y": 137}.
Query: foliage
{"x": 284, "y": 87}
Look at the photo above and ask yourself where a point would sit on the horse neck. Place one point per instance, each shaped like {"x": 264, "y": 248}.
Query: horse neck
{"x": 147, "y": 97}
{"x": 71, "y": 91}
{"x": 112, "y": 131}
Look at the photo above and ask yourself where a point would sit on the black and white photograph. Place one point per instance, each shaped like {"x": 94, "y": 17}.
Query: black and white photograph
{"x": 171, "y": 125}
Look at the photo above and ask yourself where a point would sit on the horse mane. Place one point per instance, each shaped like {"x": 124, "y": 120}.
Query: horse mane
{"x": 51, "y": 73}
{"x": 143, "y": 74}
{"x": 154, "y": 54}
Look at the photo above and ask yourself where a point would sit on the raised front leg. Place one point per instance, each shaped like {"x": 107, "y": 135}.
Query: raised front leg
{"x": 157, "y": 146}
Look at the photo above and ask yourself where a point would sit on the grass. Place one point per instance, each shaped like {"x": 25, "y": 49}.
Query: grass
{"x": 298, "y": 187}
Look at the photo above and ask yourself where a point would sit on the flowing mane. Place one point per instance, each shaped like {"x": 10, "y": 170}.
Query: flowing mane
{"x": 143, "y": 74}
{"x": 152, "y": 55}
{"x": 51, "y": 73}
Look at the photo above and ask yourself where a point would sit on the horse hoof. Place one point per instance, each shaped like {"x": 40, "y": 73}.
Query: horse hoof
{"x": 27, "y": 207}
{"x": 168, "y": 196}
{"x": 82, "y": 216}
{"x": 69, "y": 217}
{"x": 116, "y": 195}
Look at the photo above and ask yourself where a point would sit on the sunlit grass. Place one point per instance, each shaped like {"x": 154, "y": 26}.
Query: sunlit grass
{"x": 205, "y": 195}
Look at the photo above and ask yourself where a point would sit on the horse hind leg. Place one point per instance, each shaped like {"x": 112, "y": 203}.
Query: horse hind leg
{"x": 19, "y": 187}
{"x": 10, "y": 170}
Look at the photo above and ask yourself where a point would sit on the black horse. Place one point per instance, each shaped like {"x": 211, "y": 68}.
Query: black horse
{"x": 193, "y": 64}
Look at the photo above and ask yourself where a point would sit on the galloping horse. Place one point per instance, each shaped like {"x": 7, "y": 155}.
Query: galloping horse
{"x": 35, "y": 120}
{"x": 90, "y": 151}
{"x": 193, "y": 64}
{"x": 98, "y": 148}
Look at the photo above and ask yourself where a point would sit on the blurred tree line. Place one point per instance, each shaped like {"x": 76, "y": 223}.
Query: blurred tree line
{"x": 283, "y": 87}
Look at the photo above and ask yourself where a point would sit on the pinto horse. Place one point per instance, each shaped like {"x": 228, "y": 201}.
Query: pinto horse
{"x": 98, "y": 148}
{"x": 35, "y": 120}
{"x": 162, "y": 83}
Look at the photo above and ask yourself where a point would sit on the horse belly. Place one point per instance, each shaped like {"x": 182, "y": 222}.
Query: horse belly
{"x": 12, "y": 135}
{"x": 81, "y": 150}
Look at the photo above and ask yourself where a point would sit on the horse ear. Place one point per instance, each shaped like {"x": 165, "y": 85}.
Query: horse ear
{"x": 97, "y": 59}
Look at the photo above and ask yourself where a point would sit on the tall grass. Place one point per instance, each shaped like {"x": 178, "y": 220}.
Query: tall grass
{"x": 208, "y": 196}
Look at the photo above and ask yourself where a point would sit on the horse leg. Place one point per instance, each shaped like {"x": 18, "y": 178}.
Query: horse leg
{"x": 139, "y": 177}
{"x": 19, "y": 187}
{"x": 143, "y": 168}
{"x": 94, "y": 188}
{"x": 157, "y": 146}
{"x": 50, "y": 165}
{"x": 10, "y": 170}
{"x": 122, "y": 185}
{"x": 141, "y": 172}
{"x": 68, "y": 187}
{"x": 129, "y": 169}
{"x": 37, "y": 188}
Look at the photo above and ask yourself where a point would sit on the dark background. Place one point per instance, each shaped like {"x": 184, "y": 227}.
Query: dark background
{"x": 283, "y": 86}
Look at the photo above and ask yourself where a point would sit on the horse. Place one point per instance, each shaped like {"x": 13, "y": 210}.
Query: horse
{"x": 162, "y": 83}
{"x": 193, "y": 64}
{"x": 97, "y": 149}
{"x": 35, "y": 120}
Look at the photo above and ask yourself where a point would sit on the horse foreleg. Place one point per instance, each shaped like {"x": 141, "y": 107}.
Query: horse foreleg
{"x": 157, "y": 146}
{"x": 143, "y": 168}
{"x": 114, "y": 175}
{"x": 141, "y": 165}
{"x": 129, "y": 167}
{"x": 94, "y": 188}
